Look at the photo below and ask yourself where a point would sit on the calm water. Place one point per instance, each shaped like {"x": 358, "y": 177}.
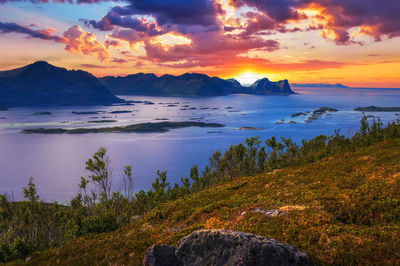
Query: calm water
{"x": 57, "y": 161}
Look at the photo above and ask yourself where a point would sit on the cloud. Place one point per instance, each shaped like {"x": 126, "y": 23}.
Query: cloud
{"x": 119, "y": 60}
{"x": 79, "y": 41}
{"x": 75, "y": 39}
{"x": 96, "y": 66}
{"x": 46, "y": 34}
{"x": 114, "y": 19}
{"x": 59, "y": 1}
{"x": 338, "y": 19}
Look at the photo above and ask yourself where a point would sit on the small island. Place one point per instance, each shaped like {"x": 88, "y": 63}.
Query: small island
{"x": 159, "y": 127}
{"x": 120, "y": 112}
{"x": 250, "y": 128}
{"x": 101, "y": 121}
{"x": 86, "y": 112}
{"x": 43, "y": 113}
{"x": 377, "y": 109}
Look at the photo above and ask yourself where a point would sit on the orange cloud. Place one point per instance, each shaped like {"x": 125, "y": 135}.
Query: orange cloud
{"x": 79, "y": 41}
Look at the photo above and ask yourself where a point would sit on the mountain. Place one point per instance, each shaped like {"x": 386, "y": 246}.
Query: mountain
{"x": 189, "y": 84}
{"x": 41, "y": 83}
{"x": 319, "y": 85}
{"x": 264, "y": 86}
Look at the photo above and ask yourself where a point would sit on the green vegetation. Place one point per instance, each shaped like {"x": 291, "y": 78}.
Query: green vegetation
{"x": 377, "y": 109}
{"x": 138, "y": 128}
{"x": 340, "y": 196}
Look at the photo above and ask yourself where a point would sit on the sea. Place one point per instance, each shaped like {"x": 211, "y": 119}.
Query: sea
{"x": 57, "y": 161}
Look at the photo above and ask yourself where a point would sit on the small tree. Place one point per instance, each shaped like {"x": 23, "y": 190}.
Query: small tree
{"x": 127, "y": 182}
{"x": 194, "y": 175}
{"x": 30, "y": 191}
{"x": 99, "y": 166}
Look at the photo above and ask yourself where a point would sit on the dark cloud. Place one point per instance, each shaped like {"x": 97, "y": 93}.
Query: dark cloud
{"x": 119, "y": 60}
{"x": 112, "y": 43}
{"x": 374, "y": 18}
{"x": 183, "y": 16}
{"x": 114, "y": 18}
{"x": 177, "y": 12}
{"x": 46, "y": 34}
{"x": 96, "y": 66}
{"x": 61, "y": 1}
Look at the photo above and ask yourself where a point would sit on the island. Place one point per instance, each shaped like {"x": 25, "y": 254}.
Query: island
{"x": 377, "y": 109}
{"x": 189, "y": 84}
{"x": 319, "y": 85}
{"x": 43, "y": 113}
{"x": 159, "y": 127}
{"x": 41, "y": 84}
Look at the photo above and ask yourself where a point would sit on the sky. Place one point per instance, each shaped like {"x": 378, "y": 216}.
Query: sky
{"x": 353, "y": 42}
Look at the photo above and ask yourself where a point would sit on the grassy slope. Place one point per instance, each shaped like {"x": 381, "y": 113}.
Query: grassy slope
{"x": 351, "y": 215}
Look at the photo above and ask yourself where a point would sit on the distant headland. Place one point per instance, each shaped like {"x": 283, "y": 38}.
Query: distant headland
{"x": 319, "y": 85}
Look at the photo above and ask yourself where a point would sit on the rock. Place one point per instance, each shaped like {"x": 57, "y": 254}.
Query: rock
{"x": 161, "y": 255}
{"x": 264, "y": 86}
{"x": 271, "y": 213}
{"x": 323, "y": 110}
{"x": 224, "y": 247}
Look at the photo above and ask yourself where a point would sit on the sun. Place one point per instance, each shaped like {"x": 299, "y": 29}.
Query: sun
{"x": 248, "y": 78}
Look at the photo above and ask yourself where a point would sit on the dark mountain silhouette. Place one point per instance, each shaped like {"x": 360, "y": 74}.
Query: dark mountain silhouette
{"x": 189, "y": 84}
{"x": 41, "y": 83}
{"x": 264, "y": 86}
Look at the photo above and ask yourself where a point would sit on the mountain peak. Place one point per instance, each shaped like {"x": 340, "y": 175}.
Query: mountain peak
{"x": 41, "y": 83}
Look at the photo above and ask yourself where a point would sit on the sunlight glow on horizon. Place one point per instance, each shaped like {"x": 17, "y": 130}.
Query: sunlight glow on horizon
{"x": 248, "y": 78}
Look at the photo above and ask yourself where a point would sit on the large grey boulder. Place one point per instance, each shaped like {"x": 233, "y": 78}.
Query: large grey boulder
{"x": 161, "y": 255}
{"x": 223, "y": 247}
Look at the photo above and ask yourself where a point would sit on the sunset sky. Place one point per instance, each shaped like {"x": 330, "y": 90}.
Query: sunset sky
{"x": 354, "y": 42}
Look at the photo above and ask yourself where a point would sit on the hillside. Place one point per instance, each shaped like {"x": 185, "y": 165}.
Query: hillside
{"x": 41, "y": 83}
{"x": 343, "y": 209}
{"x": 189, "y": 84}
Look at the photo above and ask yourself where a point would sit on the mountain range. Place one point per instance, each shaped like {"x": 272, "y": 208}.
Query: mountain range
{"x": 189, "y": 84}
{"x": 41, "y": 83}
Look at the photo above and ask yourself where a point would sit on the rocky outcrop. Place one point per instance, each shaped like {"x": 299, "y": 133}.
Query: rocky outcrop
{"x": 265, "y": 86}
{"x": 223, "y": 247}
{"x": 162, "y": 255}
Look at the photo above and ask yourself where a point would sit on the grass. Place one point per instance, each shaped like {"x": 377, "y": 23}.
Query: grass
{"x": 344, "y": 209}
